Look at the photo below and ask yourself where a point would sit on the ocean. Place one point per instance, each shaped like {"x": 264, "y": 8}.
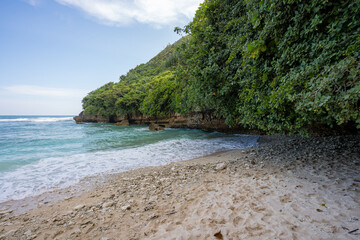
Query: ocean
{"x": 41, "y": 153}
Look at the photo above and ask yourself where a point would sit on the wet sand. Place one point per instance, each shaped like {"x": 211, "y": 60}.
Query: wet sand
{"x": 286, "y": 188}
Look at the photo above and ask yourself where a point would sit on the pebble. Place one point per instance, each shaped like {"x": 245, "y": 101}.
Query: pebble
{"x": 153, "y": 216}
{"x": 108, "y": 205}
{"x": 79, "y": 207}
{"x": 220, "y": 166}
{"x": 153, "y": 198}
{"x": 28, "y": 233}
{"x": 126, "y": 207}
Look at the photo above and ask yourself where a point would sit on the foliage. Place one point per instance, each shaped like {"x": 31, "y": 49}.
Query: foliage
{"x": 100, "y": 101}
{"x": 160, "y": 95}
{"x": 126, "y": 97}
{"x": 276, "y": 65}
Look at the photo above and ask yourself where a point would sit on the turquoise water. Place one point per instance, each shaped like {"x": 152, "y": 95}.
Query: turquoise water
{"x": 39, "y": 153}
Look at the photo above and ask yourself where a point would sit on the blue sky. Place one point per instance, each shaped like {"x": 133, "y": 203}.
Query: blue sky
{"x": 53, "y": 52}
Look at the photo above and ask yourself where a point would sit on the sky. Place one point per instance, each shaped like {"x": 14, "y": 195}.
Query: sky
{"x": 53, "y": 52}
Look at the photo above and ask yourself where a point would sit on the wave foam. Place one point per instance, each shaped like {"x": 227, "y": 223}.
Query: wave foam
{"x": 40, "y": 119}
{"x": 60, "y": 172}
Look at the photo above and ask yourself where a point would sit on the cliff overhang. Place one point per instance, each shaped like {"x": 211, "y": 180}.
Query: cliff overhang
{"x": 205, "y": 121}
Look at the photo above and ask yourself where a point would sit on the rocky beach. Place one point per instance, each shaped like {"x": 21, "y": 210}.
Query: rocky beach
{"x": 288, "y": 187}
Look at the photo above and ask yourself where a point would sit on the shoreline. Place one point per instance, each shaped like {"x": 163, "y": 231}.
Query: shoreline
{"x": 93, "y": 182}
{"x": 287, "y": 188}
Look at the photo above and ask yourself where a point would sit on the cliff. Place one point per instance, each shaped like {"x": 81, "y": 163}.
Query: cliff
{"x": 197, "y": 120}
{"x": 206, "y": 121}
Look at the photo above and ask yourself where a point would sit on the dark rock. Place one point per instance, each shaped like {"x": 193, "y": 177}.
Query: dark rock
{"x": 90, "y": 118}
{"x": 218, "y": 235}
{"x": 122, "y": 123}
{"x": 155, "y": 127}
{"x": 197, "y": 120}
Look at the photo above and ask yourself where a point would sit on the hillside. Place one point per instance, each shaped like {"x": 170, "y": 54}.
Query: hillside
{"x": 131, "y": 95}
{"x": 275, "y": 66}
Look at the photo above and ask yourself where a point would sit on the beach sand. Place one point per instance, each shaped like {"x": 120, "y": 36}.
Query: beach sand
{"x": 286, "y": 188}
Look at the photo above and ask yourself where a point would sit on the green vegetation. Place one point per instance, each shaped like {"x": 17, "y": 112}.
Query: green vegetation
{"x": 126, "y": 98}
{"x": 160, "y": 95}
{"x": 276, "y": 65}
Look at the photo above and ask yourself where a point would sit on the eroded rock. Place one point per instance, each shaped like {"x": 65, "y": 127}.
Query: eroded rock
{"x": 122, "y": 123}
{"x": 155, "y": 127}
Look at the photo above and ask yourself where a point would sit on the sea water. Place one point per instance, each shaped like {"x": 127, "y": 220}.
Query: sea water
{"x": 40, "y": 153}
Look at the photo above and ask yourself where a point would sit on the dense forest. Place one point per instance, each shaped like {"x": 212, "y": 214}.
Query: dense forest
{"x": 276, "y": 66}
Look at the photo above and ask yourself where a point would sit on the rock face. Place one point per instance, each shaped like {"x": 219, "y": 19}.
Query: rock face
{"x": 122, "y": 123}
{"x": 89, "y": 118}
{"x": 155, "y": 127}
{"x": 198, "y": 120}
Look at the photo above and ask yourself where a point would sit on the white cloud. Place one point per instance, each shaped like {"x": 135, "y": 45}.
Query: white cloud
{"x": 44, "y": 91}
{"x": 154, "y": 12}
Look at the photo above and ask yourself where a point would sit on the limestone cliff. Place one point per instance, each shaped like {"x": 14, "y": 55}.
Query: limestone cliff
{"x": 197, "y": 120}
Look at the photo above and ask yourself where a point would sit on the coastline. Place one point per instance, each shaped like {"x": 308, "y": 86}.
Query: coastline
{"x": 286, "y": 188}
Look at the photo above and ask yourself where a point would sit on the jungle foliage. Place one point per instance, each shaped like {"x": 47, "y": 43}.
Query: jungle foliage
{"x": 134, "y": 93}
{"x": 275, "y": 65}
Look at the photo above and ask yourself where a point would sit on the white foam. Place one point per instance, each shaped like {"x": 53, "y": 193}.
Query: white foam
{"x": 39, "y": 119}
{"x": 65, "y": 171}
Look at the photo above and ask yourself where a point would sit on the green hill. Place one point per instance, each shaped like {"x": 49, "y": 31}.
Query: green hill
{"x": 134, "y": 93}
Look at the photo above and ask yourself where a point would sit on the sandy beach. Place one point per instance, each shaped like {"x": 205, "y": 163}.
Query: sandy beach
{"x": 285, "y": 188}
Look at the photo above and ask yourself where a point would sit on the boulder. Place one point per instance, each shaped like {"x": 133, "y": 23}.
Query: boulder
{"x": 155, "y": 127}
{"x": 122, "y": 123}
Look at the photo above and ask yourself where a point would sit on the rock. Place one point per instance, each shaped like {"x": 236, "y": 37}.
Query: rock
{"x": 148, "y": 207}
{"x": 126, "y": 207}
{"x": 29, "y": 235}
{"x": 155, "y": 127}
{"x": 108, "y": 205}
{"x": 218, "y": 235}
{"x": 171, "y": 212}
{"x": 5, "y": 212}
{"x": 122, "y": 123}
{"x": 153, "y": 216}
{"x": 76, "y": 231}
{"x": 153, "y": 198}
{"x": 205, "y": 120}
{"x": 79, "y": 207}
{"x": 220, "y": 166}
{"x": 89, "y": 118}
